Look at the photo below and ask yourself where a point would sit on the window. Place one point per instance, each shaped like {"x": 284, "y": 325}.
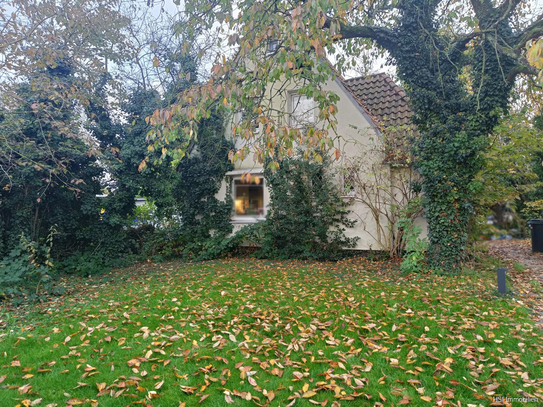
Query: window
{"x": 302, "y": 111}
{"x": 273, "y": 46}
{"x": 249, "y": 196}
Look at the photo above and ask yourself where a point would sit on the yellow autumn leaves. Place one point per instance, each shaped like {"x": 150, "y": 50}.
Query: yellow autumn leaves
{"x": 534, "y": 54}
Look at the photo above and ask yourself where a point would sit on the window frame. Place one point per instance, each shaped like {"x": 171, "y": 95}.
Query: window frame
{"x": 272, "y": 46}
{"x": 247, "y": 218}
{"x": 293, "y": 122}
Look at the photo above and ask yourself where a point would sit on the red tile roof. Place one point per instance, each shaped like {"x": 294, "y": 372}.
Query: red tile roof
{"x": 388, "y": 107}
{"x": 385, "y": 100}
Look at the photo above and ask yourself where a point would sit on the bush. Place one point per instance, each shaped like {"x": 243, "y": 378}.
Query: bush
{"x": 415, "y": 247}
{"x": 307, "y": 218}
{"x": 27, "y": 270}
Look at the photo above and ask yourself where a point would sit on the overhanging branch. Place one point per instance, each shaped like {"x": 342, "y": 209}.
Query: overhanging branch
{"x": 382, "y": 36}
{"x": 532, "y": 32}
{"x": 460, "y": 43}
{"x": 526, "y": 69}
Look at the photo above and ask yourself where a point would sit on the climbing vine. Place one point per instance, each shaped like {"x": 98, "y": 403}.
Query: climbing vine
{"x": 454, "y": 121}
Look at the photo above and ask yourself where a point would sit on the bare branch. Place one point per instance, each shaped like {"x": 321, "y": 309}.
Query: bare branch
{"x": 533, "y": 31}
{"x": 521, "y": 68}
{"x": 482, "y": 8}
{"x": 459, "y": 45}
{"x": 507, "y": 7}
{"x": 382, "y": 36}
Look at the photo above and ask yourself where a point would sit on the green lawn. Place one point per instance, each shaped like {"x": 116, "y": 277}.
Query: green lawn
{"x": 251, "y": 332}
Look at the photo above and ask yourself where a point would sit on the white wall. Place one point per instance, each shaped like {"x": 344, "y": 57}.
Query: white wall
{"x": 356, "y": 133}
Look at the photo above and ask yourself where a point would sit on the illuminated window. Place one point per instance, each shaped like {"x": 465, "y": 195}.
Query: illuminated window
{"x": 249, "y": 197}
{"x": 302, "y": 111}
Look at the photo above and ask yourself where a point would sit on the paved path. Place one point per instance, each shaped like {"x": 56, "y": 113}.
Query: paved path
{"x": 528, "y": 283}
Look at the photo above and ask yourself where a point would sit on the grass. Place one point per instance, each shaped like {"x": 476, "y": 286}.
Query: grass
{"x": 272, "y": 333}
{"x": 518, "y": 267}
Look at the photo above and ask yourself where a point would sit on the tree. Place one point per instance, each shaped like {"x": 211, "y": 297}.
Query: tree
{"x": 54, "y": 64}
{"x": 45, "y": 42}
{"x": 53, "y": 180}
{"x": 510, "y": 173}
{"x": 457, "y": 60}
{"x": 186, "y": 190}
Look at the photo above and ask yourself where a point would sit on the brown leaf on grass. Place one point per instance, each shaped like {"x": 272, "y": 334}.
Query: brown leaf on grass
{"x": 2, "y": 378}
{"x": 205, "y": 396}
{"x": 270, "y": 395}
{"x": 228, "y": 397}
{"x": 277, "y": 372}
{"x": 188, "y": 389}
{"x": 79, "y": 384}
{"x": 426, "y": 398}
{"x": 24, "y": 389}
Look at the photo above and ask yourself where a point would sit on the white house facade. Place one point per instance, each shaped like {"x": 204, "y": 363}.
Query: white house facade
{"x": 366, "y": 106}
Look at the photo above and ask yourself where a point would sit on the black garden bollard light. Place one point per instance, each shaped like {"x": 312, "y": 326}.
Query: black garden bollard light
{"x": 536, "y": 227}
{"x": 502, "y": 286}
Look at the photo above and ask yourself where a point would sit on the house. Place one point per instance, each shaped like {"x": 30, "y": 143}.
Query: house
{"x": 373, "y": 116}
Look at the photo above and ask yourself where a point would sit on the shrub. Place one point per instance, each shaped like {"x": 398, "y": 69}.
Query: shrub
{"x": 415, "y": 247}
{"x": 27, "y": 269}
{"x": 307, "y": 218}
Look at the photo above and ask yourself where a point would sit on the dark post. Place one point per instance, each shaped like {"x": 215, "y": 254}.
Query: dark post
{"x": 502, "y": 287}
{"x": 536, "y": 226}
